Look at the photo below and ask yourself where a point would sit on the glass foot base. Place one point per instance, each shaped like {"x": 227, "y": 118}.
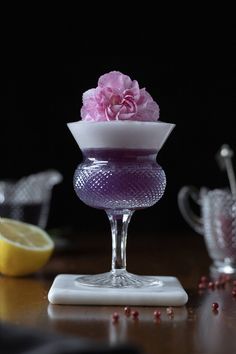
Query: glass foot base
{"x": 118, "y": 279}
{"x": 223, "y": 268}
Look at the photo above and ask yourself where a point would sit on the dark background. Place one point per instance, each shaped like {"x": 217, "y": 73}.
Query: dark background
{"x": 196, "y": 90}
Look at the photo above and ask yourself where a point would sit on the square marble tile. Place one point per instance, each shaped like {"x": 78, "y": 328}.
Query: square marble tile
{"x": 65, "y": 291}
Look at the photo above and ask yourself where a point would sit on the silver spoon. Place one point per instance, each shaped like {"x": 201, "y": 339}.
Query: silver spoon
{"x": 224, "y": 157}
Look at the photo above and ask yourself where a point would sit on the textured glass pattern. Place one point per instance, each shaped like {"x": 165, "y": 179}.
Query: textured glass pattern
{"x": 28, "y": 199}
{"x": 119, "y": 181}
{"x": 117, "y": 184}
{"x": 219, "y": 215}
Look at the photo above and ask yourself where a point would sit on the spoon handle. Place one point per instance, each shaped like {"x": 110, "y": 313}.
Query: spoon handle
{"x": 225, "y": 161}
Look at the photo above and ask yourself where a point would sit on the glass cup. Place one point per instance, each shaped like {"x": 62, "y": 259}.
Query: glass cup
{"x": 217, "y": 223}
{"x": 28, "y": 199}
{"x": 119, "y": 174}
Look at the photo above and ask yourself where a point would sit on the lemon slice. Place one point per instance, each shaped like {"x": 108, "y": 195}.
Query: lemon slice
{"x": 24, "y": 248}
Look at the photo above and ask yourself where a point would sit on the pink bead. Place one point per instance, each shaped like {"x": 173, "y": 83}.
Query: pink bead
{"x": 115, "y": 317}
{"x": 157, "y": 314}
{"x": 127, "y": 310}
{"x": 135, "y": 314}
{"x": 170, "y": 311}
{"x": 215, "y": 306}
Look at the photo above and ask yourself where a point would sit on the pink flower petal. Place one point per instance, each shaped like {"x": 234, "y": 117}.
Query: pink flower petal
{"x": 115, "y": 80}
{"x": 117, "y": 97}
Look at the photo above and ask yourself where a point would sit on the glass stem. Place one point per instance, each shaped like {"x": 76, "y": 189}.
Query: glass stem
{"x": 119, "y": 221}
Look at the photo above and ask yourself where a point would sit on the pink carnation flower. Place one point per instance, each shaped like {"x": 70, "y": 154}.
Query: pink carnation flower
{"x": 117, "y": 97}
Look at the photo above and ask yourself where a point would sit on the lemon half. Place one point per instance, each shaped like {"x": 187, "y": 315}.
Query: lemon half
{"x": 24, "y": 248}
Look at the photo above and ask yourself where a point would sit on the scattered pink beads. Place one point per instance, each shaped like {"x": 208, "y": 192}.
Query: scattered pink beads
{"x": 234, "y": 293}
{"x": 115, "y": 317}
{"x": 135, "y": 314}
{"x": 224, "y": 281}
{"x": 215, "y": 306}
{"x": 157, "y": 314}
{"x": 170, "y": 311}
{"x": 211, "y": 285}
{"x": 127, "y": 311}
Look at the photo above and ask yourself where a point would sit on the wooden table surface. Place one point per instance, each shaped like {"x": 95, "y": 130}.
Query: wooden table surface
{"x": 194, "y": 328}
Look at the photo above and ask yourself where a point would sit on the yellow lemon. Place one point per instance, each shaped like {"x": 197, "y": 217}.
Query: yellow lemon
{"x": 24, "y": 248}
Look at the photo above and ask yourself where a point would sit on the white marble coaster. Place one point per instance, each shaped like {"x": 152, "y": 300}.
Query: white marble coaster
{"x": 65, "y": 291}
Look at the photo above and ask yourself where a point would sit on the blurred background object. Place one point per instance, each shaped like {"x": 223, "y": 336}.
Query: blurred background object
{"x": 28, "y": 199}
{"x": 216, "y": 215}
{"x": 216, "y": 222}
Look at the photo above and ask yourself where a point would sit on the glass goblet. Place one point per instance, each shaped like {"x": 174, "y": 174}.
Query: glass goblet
{"x": 119, "y": 174}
